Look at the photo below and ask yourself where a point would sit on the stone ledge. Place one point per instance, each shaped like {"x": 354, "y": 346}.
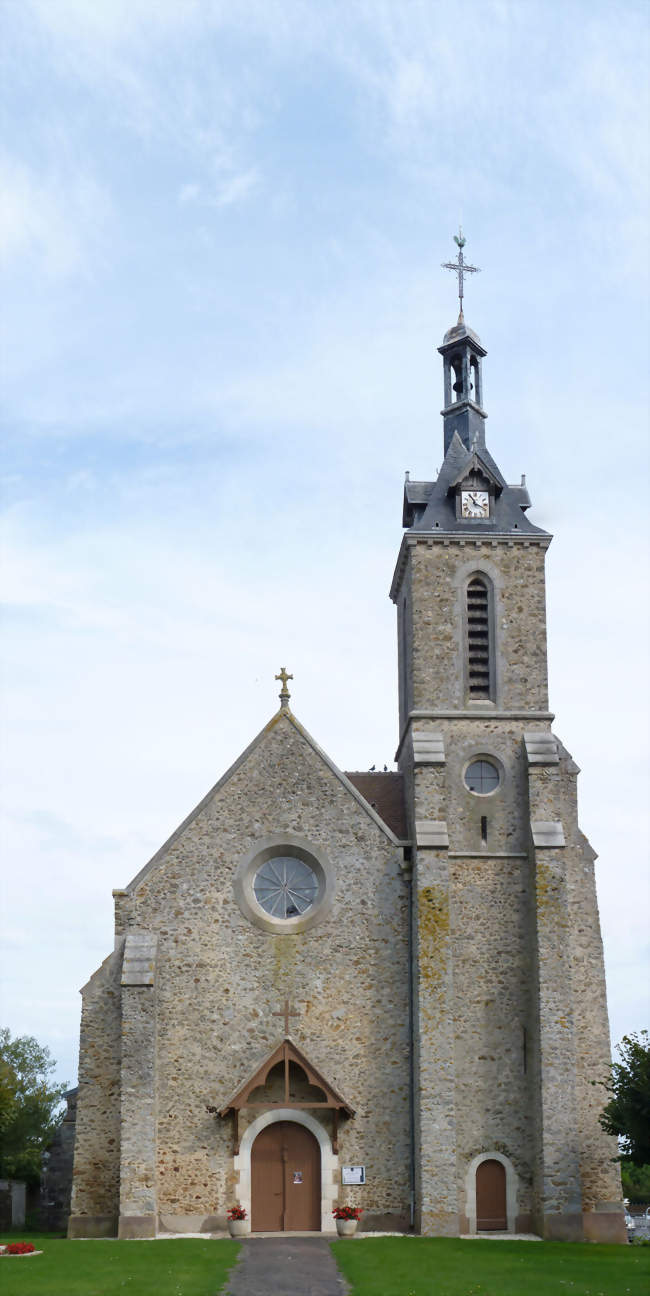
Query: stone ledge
{"x": 428, "y": 748}
{"x": 92, "y": 1226}
{"x": 136, "y": 1226}
{"x": 541, "y": 748}
{"x": 547, "y": 833}
{"x": 139, "y": 963}
{"x": 431, "y": 832}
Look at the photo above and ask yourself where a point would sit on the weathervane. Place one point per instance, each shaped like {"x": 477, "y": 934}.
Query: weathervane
{"x": 459, "y": 267}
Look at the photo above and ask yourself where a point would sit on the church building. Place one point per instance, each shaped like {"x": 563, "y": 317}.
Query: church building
{"x": 378, "y": 989}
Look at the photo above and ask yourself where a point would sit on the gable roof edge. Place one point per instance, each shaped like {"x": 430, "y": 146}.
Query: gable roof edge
{"x": 301, "y": 1058}
{"x": 349, "y": 787}
{"x": 162, "y": 850}
{"x": 282, "y": 714}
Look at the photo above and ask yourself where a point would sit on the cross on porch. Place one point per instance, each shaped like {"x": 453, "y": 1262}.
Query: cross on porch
{"x": 286, "y": 1012}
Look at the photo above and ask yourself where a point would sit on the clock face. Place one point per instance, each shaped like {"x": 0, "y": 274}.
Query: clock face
{"x": 474, "y": 504}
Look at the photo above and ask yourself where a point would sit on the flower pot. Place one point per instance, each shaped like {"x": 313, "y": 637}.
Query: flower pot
{"x": 238, "y": 1228}
{"x": 346, "y": 1228}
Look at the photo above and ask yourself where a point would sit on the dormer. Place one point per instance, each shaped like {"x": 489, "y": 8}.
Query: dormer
{"x": 475, "y": 490}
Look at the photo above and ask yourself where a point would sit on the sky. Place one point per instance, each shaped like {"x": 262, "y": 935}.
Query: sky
{"x": 221, "y": 242}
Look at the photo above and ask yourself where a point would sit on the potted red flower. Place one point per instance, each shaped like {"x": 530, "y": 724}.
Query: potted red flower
{"x": 237, "y": 1222}
{"x": 347, "y": 1218}
{"x": 18, "y": 1248}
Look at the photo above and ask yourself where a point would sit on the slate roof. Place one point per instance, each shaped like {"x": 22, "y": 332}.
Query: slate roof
{"x": 385, "y": 793}
{"x": 459, "y": 331}
{"x": 429, "y": 506}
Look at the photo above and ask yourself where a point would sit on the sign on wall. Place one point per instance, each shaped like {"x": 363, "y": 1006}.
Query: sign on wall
{"x": 353, "y": 1174}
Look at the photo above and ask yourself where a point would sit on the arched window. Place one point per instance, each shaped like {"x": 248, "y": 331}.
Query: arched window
{"x": 480, "y": 664}
{"x": 456, "y": 368}
{"x": 475, "y": 380}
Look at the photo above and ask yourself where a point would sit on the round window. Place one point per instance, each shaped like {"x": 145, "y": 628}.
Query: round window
{"x": 482, "y": 777}
{"x": 285, "y": 886}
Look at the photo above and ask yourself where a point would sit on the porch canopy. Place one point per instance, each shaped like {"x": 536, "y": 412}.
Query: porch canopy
{"x": 286, "y": 1053}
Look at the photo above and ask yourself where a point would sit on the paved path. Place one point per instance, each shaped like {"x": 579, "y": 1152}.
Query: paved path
{"x": 297, "y": 1266}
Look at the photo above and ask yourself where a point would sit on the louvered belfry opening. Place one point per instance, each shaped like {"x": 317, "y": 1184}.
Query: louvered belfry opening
{"x": 478, "y": 638}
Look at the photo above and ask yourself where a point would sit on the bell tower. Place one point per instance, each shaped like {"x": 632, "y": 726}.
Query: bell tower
{"x": 462, "y": 355}
{"x": 510, "y": 1017}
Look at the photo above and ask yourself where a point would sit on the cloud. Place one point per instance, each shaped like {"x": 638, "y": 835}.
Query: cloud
{"x": 59, "y": 220}
{"x": 114, "y": 23}
{"x": 189, "y": 193}
{"x": 236, "y": 188}
{"x": 517, "y": 86}
{"x": 225, "y": 192}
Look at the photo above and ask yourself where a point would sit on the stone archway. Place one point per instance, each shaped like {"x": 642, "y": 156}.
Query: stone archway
{"x": 329, "y": 1162}
{"x": 285, "y": 1180}
{"x": 511, "y": 1189}
{"x": 491, "y": 1196}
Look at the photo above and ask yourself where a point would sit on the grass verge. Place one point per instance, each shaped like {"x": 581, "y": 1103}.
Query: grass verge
{"x": 450, "y": 1267}
{"x": 174, "y": 1267}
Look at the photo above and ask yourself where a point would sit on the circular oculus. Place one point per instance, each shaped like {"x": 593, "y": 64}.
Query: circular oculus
{"x": 482, "y": 777}
{"x": 285, "y": 886}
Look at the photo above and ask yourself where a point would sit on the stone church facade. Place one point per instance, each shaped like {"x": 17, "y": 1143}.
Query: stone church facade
{"x": 395, "y": 978}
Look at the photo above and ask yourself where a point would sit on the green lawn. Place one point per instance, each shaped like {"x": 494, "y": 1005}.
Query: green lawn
{"x": 449, "y": 1267}
{"x": 381, "y": 1267}
{"x": 174, "y": 1267}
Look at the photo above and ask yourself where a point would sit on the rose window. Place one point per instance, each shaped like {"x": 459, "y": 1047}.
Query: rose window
{"x": 285, "y": 886}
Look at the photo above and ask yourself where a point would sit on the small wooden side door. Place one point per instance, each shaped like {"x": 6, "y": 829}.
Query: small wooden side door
{"x": 491, "y": 1197}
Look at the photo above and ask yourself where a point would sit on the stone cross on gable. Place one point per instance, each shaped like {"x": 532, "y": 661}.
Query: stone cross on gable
{"x": 459, "y": 267}
{"x": 284, "y": 692}
{"x": 286, "y": 1012}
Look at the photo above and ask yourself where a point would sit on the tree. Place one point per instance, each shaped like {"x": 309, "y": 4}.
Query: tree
{"x": 627, "y": 1113}
{"x": 29, "y": 1106}
{"x": 636, "y": 1181}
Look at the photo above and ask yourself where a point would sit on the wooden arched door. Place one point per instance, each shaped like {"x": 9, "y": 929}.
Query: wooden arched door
{"x": 285, "y": 1180}
{"x": 491, "y": 1197}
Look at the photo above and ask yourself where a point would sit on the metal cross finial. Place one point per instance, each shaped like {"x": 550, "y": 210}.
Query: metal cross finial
{"x": 284, "y": 692}
{"x": 286, "y": 1012}
{"x": 459, "y": 267}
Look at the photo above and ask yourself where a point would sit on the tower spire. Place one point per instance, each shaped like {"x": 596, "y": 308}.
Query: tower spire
{"x": 463, "y": 353}
{"x": 460, "y": 268}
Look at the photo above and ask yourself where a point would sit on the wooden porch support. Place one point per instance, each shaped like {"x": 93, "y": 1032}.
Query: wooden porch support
{"x": 286, "y": 1053}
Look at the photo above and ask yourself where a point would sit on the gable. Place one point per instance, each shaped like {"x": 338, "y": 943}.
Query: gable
{"x": 476, "y": 471}
{"x": 285, "y": 1053}
{"x": 262, "y": 765}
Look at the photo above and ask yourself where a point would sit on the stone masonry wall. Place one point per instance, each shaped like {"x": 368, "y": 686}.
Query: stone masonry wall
{"x": 96, "y": 1175}
{"x": 56, "y": 1173}
{"x": 520, "y": 972}
{"x": 485, "y": 1007}
{"x": 220, "y": 980}
{"x": 439, "y": 574}
{"x": 491, "y": 973}
{"x": 582, "y": 966}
